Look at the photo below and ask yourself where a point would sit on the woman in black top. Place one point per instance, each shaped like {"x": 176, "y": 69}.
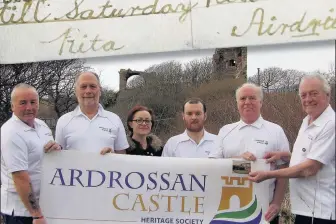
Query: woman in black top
{"x": 140, "y": 121}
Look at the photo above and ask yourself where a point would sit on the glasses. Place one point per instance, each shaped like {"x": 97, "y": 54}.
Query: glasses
{"x": 140, "y": 121}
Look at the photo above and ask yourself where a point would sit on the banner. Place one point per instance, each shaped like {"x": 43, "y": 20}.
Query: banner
{"x": 42, "y": 30}
{"x": 88, "y": 188}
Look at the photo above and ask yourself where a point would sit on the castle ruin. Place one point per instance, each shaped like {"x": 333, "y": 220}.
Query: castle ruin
{"x": 228, "y": 63}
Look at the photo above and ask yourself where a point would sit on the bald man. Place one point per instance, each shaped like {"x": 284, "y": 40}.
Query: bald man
{"x": 24, "y": 138}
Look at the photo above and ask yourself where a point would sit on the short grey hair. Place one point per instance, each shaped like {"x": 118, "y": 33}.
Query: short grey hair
{"x": 81, "y": 73}
{"x": 257, "y": 88}
{"x": 325, "y": 84}
{"x": 21, "y": 86}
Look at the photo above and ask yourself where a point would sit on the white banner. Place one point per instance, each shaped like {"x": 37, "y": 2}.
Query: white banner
{"x": 40, "y": 30}
{"x": 88, "y": 188}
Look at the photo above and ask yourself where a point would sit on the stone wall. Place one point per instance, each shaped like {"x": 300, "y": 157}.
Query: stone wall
{"x": 227, "y": 63}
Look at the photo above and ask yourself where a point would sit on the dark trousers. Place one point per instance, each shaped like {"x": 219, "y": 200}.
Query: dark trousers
{"x": 308, "y": 220}
{"x": 275, "y": 220}
{"x": 11, "y": 219}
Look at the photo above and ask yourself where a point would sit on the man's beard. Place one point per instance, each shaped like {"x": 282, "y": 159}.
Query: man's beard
{"x": 195, "y": 127}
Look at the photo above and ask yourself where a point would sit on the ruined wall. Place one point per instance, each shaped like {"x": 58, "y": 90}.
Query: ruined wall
{"x": 227, "y": 63}
{"x": 230, "y": 62}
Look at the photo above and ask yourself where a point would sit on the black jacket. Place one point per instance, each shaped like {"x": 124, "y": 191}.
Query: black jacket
{"x": 154, "y": 146}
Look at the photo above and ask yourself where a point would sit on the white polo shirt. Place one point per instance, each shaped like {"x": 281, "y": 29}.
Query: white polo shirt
{"x": 183, "y": 146}
{"x": 76, "y": 131}
{"x": 21, "y": 149}
{"x": 257, "y": 138}
{"x": 317, "y": 193}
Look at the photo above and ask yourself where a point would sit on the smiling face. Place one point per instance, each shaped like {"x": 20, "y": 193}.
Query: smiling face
{"x": 194, "y": 117}
{"x": 142, "y": 123}
{"x": 88, "y": 90}
{"x": 249, "y": 104}
{"x": 314, "y": 99}
{"x": 25, "y": 105}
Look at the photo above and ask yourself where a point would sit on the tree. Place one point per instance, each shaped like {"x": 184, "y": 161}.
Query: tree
{"x": 198, "y": 71}
{"x": 61, "y": 92}
{"x": 108, "y": 97}
{"x": 53, "y": 80}
{"x": 269, "y": 78}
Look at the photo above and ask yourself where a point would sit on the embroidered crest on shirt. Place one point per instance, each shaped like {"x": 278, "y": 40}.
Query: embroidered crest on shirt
{"x": 109, "y": 130}
{"x": 262, "y": 141}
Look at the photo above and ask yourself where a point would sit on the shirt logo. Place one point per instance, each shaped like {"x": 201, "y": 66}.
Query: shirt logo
{"x": 304, "y": 150}
{"x": 262, "y": 142}
{"x": 48, "y": 133}
{"x": 109, "y": 130}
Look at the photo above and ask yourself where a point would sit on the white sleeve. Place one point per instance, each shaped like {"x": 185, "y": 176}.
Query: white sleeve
{"x": 323, "y": 147}
{"x": 15, "y": 153}
{"x": 218, "y": 152}
{"x": 282, "y": 144}
{"x": 121, "y": 142}
{"x": 166, "y": 152}
{"x": 59, "y": 137}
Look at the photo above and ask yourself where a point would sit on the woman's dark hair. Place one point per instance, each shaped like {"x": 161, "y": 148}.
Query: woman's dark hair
{"x": 136, "y": 109}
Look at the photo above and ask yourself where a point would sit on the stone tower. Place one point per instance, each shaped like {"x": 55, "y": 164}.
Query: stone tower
{"x": 230, "y": 62}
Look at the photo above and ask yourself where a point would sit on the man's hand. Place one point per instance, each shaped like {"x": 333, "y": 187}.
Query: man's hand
{"x": 51, "y": 146}
{"x": 272, "y": 157}
{"x": 248, "y": 156}
{"x": 272, "y": 212}
{"x": 258, "y": 176}
{"x": 106, "y": 150}
{"x": 40, "y": 221}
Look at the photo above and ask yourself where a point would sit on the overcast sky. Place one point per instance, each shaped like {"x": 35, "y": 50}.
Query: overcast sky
{"x": 303, "y": 56}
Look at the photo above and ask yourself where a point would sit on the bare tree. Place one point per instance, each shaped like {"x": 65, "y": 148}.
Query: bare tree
{"x": 290, "y": 80}
{"x": 269, "y": 78}
{"x": 169, "y": 72}
{"x": 108, "y": 97}
{"x": 198, "y": 71}
{"x": 54, "y": 81}
{"x": 61, "y": 91}
{"x": 35, "y": 74}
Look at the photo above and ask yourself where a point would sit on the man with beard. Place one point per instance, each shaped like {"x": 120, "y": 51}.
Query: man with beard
{"x": 195, "y": 141}
{"x": 89, "y": 127}
{"x": 252, "y": 138}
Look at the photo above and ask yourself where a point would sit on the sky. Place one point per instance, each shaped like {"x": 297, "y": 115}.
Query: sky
{"x": 301, "y": 56}
{"x": 306, "y": 57}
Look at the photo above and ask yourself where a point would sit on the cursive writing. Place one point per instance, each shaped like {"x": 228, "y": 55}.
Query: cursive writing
{"x": 300, "y": 28}
{"x": 220, "y": 2}
{"x": 108, "y": 11}
{"x": 9, "y": 14}
{"x": 79, "y": 45}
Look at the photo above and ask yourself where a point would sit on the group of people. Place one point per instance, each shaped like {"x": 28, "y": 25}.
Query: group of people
{"x": 310, "y": 167}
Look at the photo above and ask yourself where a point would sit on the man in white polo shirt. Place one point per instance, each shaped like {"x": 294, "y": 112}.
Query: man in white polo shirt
{"x": 312, "y": 163}
{"x": 252, "y": 138}
{"x": 89, "y": 127}
{"x": 23, "y": 140}
{"x": 195, "y": 141}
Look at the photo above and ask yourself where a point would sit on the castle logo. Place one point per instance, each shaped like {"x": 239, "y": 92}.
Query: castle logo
{"x": 249, "y": 211}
